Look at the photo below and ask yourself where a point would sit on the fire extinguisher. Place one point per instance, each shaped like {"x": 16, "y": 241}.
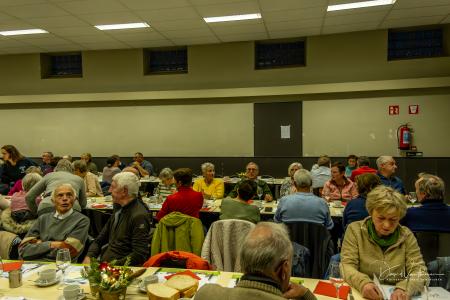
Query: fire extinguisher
{"x": 404, "y": 137}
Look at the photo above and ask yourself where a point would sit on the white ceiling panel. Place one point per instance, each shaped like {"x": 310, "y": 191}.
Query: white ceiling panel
{"x": 419, "y": 12}
{"x": 15, "y": 25}
{"x": 196, "y": 41}
{"x": 237, "y": 8}
{"x": 244, "y": 37}
{"x": 295, "y": 14}
{"x": 35, "y": 11}
{"x": 92, "y": 6}
{"x": 111, "y": 18}
{"x": 270, "y": 5}
{"x": 375, "y": 17}
{"x": 385, "y": 8}
{"x": 349, "y": 28}
{"x": 101, "y": 38}
{"x": 446, "y": 20}
{"x": 407, "y": 22}
{"x": 244, "y": 29}
{"x": 75, "y": 31}
{"x": 11, "y": 43}
{"x": 293, "y": 25}
{"x": 5, "y": 3}
{"x": 62, "y": 48}
{"x": 141, "y": 36}
{"x": 105, "y": 45}
{"x": 194, "y": 33}
{"x": 418, "y": 3}
{"x": 55, "y": 22}
{"x": 168, "y": 14}
{"x": 300, "y": 32}
{"x": 150, "y": 44}
{"x": 17, "y": 50}
{"x": 175, "y": 25}
{"x": 152, "y": 4}
{"x": 49, "y": 41}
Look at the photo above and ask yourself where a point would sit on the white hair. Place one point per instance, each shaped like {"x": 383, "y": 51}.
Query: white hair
{"x": 129, "y": 181}
{"x": 303, "y": 178}
{"x": 68, "y": 185}
{"x": 205, "y": 166}
{"x": 294, "y": 164}
{"x": 382, "y": 160}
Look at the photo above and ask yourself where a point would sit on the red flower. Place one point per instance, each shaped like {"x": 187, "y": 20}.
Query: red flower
{"x": 103, "y": 266}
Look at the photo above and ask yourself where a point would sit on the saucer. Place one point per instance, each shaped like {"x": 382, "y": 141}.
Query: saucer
{"x": 44, "y": 283}
{"x": 80, "y": 296}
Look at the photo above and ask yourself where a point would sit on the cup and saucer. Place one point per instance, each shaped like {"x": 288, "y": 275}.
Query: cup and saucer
{"x": 47, "y": 278}
{"x": 72, "y": 292}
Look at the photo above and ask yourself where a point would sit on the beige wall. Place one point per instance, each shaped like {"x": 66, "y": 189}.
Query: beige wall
{"x": 364, "y": 127}
{"x": 213, "y": 101}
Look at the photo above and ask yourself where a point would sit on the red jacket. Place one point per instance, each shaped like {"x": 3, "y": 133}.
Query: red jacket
{"x": 192, "y": 261}
{"x": 186, "y": 201}
{"x": 362, "y": 170}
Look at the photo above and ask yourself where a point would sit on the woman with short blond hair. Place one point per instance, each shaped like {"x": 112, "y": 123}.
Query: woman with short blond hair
{"x": 379, "y": 245}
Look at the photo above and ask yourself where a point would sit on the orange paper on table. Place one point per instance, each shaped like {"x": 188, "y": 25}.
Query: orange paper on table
{"x": 187, "y": 272}
{"x": 328, "y": 289}
{"x": 11, "y": 266}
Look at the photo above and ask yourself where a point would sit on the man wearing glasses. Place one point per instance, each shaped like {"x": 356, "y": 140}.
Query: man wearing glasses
{"x": 263, "y": 190}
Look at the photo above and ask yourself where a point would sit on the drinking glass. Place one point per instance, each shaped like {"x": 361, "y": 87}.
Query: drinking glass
{"x": 412, "y": 197}
{"x": 63, "y": 261}
{"x": 259, "y": 192}
{"x": 335, "y": 276}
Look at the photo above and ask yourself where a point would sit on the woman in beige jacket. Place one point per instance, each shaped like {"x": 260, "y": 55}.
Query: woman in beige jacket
{"x": 379, "y": 245}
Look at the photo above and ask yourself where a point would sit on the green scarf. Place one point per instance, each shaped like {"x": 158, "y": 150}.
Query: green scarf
{"x": 383, "y": 242}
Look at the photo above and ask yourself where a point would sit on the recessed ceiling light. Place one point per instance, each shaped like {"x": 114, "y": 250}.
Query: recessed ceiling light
{"x": 23, "y": 31}
{"x": 232, "y": 18}
{"x": 360, "y": 4}
{"x": 122, "y": 26}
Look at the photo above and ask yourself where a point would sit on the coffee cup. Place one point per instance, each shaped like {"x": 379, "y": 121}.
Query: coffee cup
{"x": 72, "y": 292}
{"x": 150, "y": 279}
{"x": 47, "y": 275}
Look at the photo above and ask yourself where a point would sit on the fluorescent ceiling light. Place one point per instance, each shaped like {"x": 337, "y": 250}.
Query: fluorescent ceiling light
{"x": 24, "y": 31}
{"x": 232, "y": 18}
{"x": 360, "y": 4}
{"x": 122, "y": 26}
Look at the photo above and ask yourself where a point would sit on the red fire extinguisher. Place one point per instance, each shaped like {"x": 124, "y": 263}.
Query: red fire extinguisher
{"x": 404, "y": 137}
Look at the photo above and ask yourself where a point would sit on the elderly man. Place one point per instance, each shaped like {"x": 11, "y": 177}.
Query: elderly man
{"x": 433, "y": 214}
{"x": 266, "y": 260}
{"x": 251, "y": 173}
{"x": 63, "y": 174}
{"x": 63, "y": 229}
{"x": 303, "y": 206}
{"x": 127, "y": 231}
{"x": 386, "y": 170}
{"x": 46, "y": 166}
{"x": 186, "y": 200}
{"x": 144, "y": 167}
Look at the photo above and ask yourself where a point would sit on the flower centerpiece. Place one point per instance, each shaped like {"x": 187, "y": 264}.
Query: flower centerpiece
{"x": 110, "y": 280}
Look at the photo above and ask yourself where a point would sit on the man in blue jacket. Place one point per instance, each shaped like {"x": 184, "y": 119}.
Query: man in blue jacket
{"x": 386, "y": 170}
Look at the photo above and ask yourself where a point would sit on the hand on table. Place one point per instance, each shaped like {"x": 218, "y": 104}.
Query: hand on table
{"x": 295, "y": 291}
{"x": 370, "y": 291}
{"x": 399, "y": 294}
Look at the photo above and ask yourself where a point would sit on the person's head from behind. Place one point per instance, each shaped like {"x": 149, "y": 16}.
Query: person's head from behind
{"x": 112, "y": 162}
{"x": 247, "y": 189}
{"x": 251, "y": 171}
{"x": 87, "y": 157}
{"x": 267, "y": 250}
{"x": 324, "y": 161}
{"x": 367, "y": 182}
{"x": 68, "y": 157}
{"x": 183, "y": 177}
{"x": 63, "y": 196}
{"x": 131, "y": 170}
{"x": 363, "y": 161}
{"x": 303, "y": 180}
{"x": 124, "y": 187}
{"x": 337, "y": 171}
{"x": 80, "y": 168}
{"x": 34, "y": 169}
{"x": 166, "y": 176}
{"x": 294, "y": 167}
{"x": 386, "y": 165}
{"x": 386, "y": 207}
{"x": 11, "y": 154}
{"x": 30, "y": 180}
{"x": 351, "y": 160}
{"x": 429, "y": 187}
{"x": 64, "y": 165}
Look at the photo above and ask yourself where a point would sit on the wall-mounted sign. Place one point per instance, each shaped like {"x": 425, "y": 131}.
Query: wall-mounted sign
{"x": 414, "y": 109}
{"x": 394, "y": 110}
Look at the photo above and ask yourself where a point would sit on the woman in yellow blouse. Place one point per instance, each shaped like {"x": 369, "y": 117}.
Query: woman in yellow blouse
{"x": 212, "y": 188}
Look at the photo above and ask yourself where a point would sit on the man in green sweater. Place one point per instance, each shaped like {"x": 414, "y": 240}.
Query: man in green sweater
{"x": 266, "y": 260}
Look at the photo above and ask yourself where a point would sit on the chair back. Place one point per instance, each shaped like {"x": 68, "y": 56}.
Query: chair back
{"x": 223, "y": 242}
{"x": 9, "y": 243}
{"x": 317, "y": 239}
{"x": 433, "y": 244}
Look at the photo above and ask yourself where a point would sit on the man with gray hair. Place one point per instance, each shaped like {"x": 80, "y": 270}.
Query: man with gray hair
{"x": 433, "y": 214}
{"x": 303, "y": 206}
{"x": 126, "y": 234}
{"x": 266, "y": 260}
{"x": 62, "y": 174}
{"x": 386, "y": 169}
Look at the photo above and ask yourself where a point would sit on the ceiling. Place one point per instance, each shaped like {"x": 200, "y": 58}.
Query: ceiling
{"x": 179, "y": 22}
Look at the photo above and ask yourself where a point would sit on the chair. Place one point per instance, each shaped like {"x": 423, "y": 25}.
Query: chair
{"x": 223, "y": 242}
{"x": 433, "y": 244}
{"x": 84, "y": 252}
{"x": 317, "y": 239}
{"x": 9, "y": 243}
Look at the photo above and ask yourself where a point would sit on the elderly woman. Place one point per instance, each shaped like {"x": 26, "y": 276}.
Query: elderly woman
{"x": 91, "y": 166}
{"x": 379, "y": 245}
{"x": 339, "y": 187}
{"x": 239, "y": 207}
{"x": 356, "y": 210}
{"x": 288, "y": 187}
{"x": 62, "y": 174}
{"x": 111, "y": 169}
{"x": 210, "y": 187}
{"x": 13, "y": 168}
{"x": 91, "y": 182}
{"x": 167, "y": 185}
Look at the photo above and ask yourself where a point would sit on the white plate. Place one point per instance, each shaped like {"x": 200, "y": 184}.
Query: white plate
{"x": 44, "y": 283}
{"x": 80, "y": 297}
